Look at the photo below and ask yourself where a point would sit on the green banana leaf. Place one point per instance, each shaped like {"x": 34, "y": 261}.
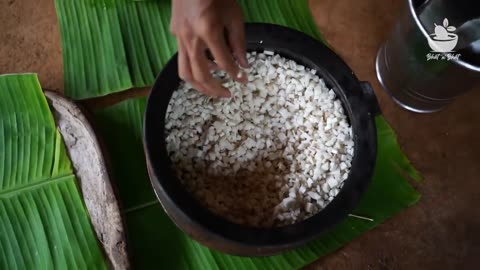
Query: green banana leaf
{"x": 43, "y": 221}
{"x": 113, "y": 45}
{"x": 156, "y": 242}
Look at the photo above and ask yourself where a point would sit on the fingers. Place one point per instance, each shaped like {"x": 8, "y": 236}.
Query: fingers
{"x": 195, "y": 69}
{"x": 213, "y": 66}
{"x": 236, "y": 39}
{"x": 193, "y": 64}
{"x": 217, "y": 44}
{"x": 184, "y": 70}
{"x": 201, "y": 71}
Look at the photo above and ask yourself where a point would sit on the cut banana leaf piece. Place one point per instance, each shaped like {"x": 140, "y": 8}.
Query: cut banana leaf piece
{"x": 157, "y": 242}
{"x": 43, "y": 220}
{"x": 110, "y": 46}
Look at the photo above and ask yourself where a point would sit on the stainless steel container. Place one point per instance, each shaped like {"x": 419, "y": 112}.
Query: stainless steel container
{"x": 416, "y": 68}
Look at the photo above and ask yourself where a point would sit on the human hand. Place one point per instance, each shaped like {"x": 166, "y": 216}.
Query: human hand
{"x": 216, "y": 25}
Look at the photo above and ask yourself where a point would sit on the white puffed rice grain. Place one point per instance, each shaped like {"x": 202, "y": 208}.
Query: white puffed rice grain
{"x": 275, "y": 153}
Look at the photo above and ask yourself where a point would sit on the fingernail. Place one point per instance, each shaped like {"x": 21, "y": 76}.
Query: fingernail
{"x": 226, "y": 94}
{"x": 241, "y": 76}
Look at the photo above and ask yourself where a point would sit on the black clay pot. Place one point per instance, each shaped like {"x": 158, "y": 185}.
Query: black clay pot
{"x": 216, "y": 232}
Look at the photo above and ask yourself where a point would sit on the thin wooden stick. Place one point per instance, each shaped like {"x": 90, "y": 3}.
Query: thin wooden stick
{"x": 360, "y": 217}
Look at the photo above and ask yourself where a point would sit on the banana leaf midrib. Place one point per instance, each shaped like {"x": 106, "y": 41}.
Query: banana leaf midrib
{"x": 4, "y": 194}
